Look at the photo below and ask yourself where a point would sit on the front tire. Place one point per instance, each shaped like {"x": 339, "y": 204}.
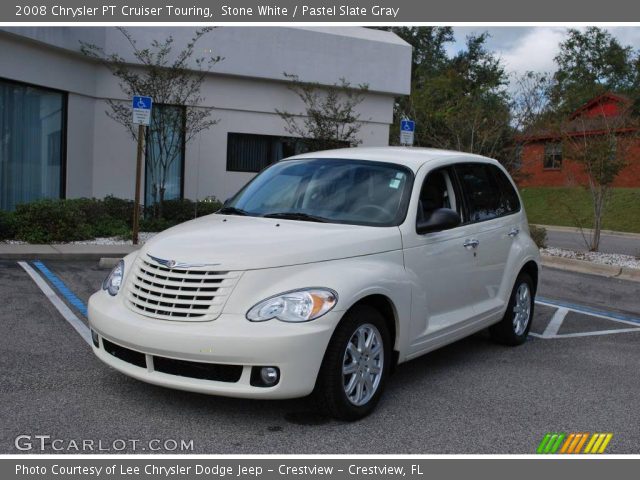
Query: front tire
{"x": 355, "y": 366}
{"x": 516, "y": 323}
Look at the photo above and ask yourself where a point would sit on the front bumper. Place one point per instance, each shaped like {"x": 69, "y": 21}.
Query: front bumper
{"x": 296, "y": 349}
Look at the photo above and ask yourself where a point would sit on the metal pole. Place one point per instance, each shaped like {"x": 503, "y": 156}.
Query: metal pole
{"x": 136, "y": 203}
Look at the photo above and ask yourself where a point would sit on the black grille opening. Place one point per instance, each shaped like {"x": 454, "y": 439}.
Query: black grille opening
{"x": 203, "y": 371}
{"x": 124, "y": 354}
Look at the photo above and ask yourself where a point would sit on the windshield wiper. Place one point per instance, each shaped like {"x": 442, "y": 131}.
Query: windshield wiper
{"x": 297, "y": 216}
{"x": 232, "y": 211}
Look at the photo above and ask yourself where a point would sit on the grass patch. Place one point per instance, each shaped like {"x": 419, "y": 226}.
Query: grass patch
{"x": 562, "y": 206}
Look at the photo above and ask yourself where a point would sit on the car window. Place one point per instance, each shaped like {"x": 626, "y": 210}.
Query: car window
{"x": 357, "y": 192}
{"x": 481, "y": 190}
{"x": 437, "y": 192}
{"x": 509, "y": 202}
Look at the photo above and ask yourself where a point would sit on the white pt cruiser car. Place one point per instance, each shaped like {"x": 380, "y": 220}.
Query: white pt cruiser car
{"x": 321, "y": 275}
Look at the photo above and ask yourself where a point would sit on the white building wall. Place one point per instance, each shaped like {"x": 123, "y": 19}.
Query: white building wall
{"x": 245, "y": 90}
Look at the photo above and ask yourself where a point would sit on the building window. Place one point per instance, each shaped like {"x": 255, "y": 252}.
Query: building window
{"x": 251, "y": 153}
{"x": 553, "y": 156}
{"x": 32, "y": 133}
{"x": 164, "y": 160}
{"x": 517, "y": 156}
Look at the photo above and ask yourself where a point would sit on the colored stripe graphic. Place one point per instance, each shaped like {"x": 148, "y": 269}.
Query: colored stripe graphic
{"x": 573, "y": 443}
{"x": 62, "y": 288}
{"x": 551, "y": 442}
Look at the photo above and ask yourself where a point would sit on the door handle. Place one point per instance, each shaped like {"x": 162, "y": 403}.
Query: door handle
{"x": 513, "y": 232}
{"x": 471, "y": 243}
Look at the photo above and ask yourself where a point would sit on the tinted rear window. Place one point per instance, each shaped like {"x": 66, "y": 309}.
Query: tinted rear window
{"x": 488, "y": 191}
{"x": 509, "y": 202}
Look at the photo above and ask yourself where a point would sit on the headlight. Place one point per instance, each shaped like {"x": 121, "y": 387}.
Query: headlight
{"x": 112, "y": 283}
{"x": 296, "y": 306}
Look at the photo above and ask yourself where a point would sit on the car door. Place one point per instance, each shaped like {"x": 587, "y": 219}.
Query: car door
{"x": 438, "y": 262}
{"x": 491, "y": 216}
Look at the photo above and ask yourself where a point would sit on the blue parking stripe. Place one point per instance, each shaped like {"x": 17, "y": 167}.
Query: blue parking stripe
{"x": 62, "y": 288}
{"x": 588, "y": 310}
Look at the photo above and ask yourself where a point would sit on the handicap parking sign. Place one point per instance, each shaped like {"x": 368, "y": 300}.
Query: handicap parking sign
{"x": 141, "y": 109}
{"x": 407, "y": 129}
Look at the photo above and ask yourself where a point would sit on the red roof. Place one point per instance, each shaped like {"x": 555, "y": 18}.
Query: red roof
{"x": 589, "y": 119}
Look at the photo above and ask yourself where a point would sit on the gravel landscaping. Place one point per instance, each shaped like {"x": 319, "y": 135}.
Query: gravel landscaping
{"x": 615, "y": 259}
{"x": 143, "y": 238}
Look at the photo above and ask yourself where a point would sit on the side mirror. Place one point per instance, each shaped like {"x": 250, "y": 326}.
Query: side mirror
{"x": 440, "y": 219}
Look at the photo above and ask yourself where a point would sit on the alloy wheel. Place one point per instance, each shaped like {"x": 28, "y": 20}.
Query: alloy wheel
{"x": 362, "y": 364}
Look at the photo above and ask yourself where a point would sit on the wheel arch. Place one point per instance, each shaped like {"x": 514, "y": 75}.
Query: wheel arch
{"x": 387, "y": 309}
{"x": 533, "y": 270}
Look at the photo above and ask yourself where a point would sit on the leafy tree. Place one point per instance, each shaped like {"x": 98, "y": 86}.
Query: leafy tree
{"x": 530, "y": 101}
{"x": 330, "y": 119}
{"x": 464, "y": 105}
{"x": 602, "y": 156}
{"x": 173, "y": 80}
{"x": 591, "y": 62}
{"x": 429, "y": 47}
{"x": 429, "y": 58}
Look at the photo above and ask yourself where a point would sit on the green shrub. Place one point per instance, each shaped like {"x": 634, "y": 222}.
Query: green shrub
{"x": 178, "y": 211}
{"x": 46, "y": 221}
{"x": 119, "y": 209}
{"x": 7, "y": 225}
{"x": 208, "y": 206}
{"x": 539, "y": 235}
{"x": 155, "y": 224}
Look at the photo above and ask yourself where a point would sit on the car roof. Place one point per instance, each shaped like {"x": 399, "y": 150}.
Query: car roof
{"x": 411, "y": 157}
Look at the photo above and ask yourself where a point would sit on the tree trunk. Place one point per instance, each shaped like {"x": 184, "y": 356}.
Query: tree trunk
{"x": 598, "y": 204}
{"x": 161, "y": 202}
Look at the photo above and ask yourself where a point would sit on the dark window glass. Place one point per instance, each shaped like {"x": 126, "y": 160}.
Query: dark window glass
{"x": 481, "y": 191}
{"x": 436, "y": 193}
{"x": 339, "y": 191}
{"x": 553, "y": 156}
{"x": 164, "y": 164}
{"x": 509, "y": 202}
{"x": 517, "y": 157}
{"x": 252, "y": 153}
{"x": 31, "y": 143}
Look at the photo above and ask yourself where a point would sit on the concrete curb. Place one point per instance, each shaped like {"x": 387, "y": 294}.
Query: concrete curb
{"x": 64, "y": 252}
{"x": 582, "y": 266}
{"x": 587, "y": 231}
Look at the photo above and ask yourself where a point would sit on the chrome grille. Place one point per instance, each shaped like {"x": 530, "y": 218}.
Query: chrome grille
{"x": 191, "y": 294}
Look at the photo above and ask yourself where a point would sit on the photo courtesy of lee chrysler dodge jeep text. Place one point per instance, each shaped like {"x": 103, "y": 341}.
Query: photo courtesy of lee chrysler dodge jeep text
{"x": 321, "y": 274}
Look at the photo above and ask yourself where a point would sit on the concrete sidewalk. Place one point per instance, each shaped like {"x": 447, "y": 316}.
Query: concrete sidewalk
{"x": 588, "y": 231}
{"x": 64, "y": 251}
{"x": 569, "y": 238}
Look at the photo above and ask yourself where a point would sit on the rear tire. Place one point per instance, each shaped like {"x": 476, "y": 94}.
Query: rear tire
{"x": 355, "y": 366}
{"x": 514, "y": 327}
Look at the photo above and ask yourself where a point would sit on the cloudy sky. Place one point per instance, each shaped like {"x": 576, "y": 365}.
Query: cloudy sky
{"x": 532, "y": 48}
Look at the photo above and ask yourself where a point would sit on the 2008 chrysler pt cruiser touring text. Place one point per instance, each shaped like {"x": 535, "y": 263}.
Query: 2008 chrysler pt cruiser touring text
{"x": 320, "y": 275}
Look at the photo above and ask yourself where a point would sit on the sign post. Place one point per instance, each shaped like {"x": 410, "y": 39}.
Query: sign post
{"x": 407, "y": 130}
{"x": 141, "y": 117}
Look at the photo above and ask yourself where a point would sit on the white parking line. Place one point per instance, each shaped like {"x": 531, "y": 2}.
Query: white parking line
{"x": 559, "y": 315}
{"x": 57, "y": 302}
{"x": 599, "y": 332}
{"x": 555, "y": 323}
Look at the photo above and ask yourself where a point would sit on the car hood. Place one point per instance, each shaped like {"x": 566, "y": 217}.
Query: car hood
{"x": 244, "y": 243}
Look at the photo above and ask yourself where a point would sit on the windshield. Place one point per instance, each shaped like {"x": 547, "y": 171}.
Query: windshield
{"x": 327, "y": 190}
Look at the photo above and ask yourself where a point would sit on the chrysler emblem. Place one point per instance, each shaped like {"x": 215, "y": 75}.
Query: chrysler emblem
{"x": 175, "y": 263}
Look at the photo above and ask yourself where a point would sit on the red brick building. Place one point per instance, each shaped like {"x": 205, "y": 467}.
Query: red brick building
{"x": 543, "y": 164}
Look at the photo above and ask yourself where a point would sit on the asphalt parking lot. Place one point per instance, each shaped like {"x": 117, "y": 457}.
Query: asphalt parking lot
{"x": 579, "y": 372}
